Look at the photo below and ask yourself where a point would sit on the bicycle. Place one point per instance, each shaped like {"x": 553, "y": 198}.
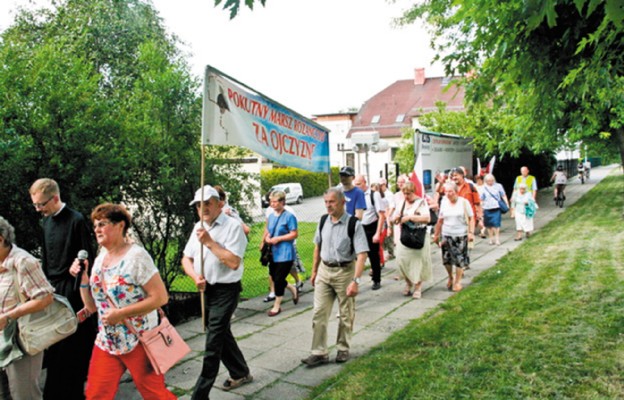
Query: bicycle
{"x": 560, "y": 196}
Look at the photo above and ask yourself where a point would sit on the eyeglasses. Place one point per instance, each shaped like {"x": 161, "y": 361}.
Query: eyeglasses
{"x": 41, "y": 205}
{"x": 102, "y": 224}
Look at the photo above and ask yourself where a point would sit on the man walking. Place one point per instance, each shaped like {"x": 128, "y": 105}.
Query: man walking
{"x": 373, "y": 222}
{"x": 339, "y": 256}
{"x": 528, "y": 180}
{"x": 65, "y": 233}
{"x": 356, "y": 202}
{"x": 222, "y": 241}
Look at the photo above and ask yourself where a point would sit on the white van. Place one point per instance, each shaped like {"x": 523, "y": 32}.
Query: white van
{"x": 294, "y": 193}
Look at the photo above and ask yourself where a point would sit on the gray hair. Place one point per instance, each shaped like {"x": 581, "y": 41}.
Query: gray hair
{"x": 488, "y": 176}
{"x": 450, "y": 185}
{"x": 337, "y": 192}
{"x": 7, "y": 232}
{"x": 523, "y": 186}
{"x": 278, "y": 195}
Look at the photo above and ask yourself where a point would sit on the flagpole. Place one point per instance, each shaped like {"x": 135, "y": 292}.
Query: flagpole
{"x": 202, "y": 300}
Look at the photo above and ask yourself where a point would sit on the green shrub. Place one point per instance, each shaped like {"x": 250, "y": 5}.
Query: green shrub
{"x": 313, "y": 183}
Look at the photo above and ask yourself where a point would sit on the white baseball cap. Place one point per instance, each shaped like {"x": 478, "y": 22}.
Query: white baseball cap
{"x": 209, "y": 192}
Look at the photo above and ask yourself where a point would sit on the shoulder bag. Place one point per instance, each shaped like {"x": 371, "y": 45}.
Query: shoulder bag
{"x": 501, "y": 204}
{"x": 39, "y": 330}
{"x": 163, "y": 345}
{"x": 266, "y": 252}
{"x": 412, "y": 235}
{"x": 9, "y": 349}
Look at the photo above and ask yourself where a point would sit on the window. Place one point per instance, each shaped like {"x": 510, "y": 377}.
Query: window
{"x": 400, "y": 118}
{"x": 375, "y": 119}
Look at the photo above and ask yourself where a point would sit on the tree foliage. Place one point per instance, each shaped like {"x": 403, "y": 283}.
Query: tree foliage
{"x": 551, "y": 70}
{"x": 96, "y": 95}
{"x": 234, "y": 5}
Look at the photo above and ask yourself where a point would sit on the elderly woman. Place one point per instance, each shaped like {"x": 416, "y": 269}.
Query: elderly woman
{"x": 20, "y": 271}
{"x": 522, "y": 210}
{"x": 492, "y": 193}
{"x": 124, "y": 286}
{"x": 414, "y": 264}
{"x": 280, "y": 233}
{"x": 456, "y": 223}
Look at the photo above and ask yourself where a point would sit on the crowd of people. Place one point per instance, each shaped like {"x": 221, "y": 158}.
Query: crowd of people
{"x": 119, "y": 286}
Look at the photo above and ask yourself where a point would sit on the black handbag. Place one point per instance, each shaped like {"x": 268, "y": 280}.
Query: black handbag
{"x": 266, "y": 252}
{"x": 412, "y": 235}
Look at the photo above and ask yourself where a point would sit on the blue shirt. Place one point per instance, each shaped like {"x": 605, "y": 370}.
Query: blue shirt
{"x": 356, "y": 200}
{"x": 280, "y": 225}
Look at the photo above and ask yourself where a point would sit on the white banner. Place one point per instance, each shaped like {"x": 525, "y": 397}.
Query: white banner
{"x": 236, "y": 115}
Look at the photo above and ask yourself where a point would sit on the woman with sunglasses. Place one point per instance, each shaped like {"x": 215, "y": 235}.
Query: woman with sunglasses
{"x": 124, "y": 286}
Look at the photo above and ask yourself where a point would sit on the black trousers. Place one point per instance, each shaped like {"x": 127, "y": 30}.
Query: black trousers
{"x": 67, "y": 362}
{"x": 221, "y": 302}
{"x": 373, "y": 251}
{"x": 279, "y": 272}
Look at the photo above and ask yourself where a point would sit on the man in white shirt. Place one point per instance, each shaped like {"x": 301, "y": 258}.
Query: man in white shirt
{"x": 222, "y": 241}
{"x": 373, "y": 222}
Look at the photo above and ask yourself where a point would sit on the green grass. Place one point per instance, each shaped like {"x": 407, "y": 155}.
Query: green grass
{"x": 255, "y": 277}
{"x": 547, "y": 322}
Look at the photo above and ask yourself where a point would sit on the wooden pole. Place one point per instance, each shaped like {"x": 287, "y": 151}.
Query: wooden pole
{"x": 201, "y": 246}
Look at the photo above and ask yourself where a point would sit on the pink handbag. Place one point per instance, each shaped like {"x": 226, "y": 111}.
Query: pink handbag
{"x": 163, "y": 345}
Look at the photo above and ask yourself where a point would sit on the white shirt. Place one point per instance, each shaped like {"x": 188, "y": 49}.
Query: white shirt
{"x": 370, "y": 214}
{"x": 228, "y": 233}
{"x": 454, "y": 216}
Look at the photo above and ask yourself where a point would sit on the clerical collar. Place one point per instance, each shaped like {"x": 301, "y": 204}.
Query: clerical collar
{"x": 60, "y": 209}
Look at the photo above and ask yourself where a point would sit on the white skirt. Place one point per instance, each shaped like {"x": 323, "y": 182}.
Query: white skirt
{"x": 523, "y": 223}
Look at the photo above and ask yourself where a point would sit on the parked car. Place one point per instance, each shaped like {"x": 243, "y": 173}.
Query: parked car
{"x": 294, "y": 193}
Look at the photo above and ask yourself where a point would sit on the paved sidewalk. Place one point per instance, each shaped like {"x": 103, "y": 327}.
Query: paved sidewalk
{"x": 274, "y": 346}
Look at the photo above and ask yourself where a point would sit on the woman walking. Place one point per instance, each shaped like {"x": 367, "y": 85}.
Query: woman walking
{"x": 492, "y": 194}
{"x": 20, "y": 271}
{"x": 523, "y": 209}
{"x": 280, "y": 233}
{"x": 125, "y": 286}
{"x": 456, "y": 225}
{"x": 414, "y": 264}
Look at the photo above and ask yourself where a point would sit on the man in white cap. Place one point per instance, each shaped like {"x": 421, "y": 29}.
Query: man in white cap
{"x": 223, "y": 243}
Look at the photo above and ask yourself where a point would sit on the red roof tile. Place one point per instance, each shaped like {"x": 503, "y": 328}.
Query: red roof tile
{"x": 404, "y": 97}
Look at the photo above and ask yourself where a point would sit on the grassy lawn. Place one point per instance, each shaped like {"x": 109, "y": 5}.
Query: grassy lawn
{"x": 255, "y": 281}
{"x": 547, "y": 322}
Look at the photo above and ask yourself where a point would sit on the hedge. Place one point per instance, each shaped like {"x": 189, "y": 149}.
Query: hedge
{"x": 313, "y": 183}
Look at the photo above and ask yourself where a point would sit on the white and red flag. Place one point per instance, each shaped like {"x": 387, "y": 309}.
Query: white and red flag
{"x": 417, "y": 177}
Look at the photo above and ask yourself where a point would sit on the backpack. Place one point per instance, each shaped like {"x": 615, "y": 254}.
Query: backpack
{"x": 350, "y": 229}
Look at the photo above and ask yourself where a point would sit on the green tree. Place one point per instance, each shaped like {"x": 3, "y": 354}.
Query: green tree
{"x": 97, "y": 96}
{"x": 550, "y": 70}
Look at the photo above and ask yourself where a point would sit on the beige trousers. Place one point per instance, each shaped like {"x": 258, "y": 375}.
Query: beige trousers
{"x": 332, "y": 283}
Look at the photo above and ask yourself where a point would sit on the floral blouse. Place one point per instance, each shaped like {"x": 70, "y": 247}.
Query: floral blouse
{"x": 124, "y": 285}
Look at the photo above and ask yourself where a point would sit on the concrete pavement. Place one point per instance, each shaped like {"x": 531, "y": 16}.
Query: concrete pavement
{"x": 274, "y": 346}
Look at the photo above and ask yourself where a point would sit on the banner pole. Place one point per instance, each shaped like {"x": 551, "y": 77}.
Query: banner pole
{"x": 329, "y": 179}
{"x": 201, "y": 246}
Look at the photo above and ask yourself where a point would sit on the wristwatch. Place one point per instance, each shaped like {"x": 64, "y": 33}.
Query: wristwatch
{"x": 357, "y": 280}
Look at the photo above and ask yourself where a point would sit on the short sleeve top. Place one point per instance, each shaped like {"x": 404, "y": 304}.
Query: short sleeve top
{"x": 280, "y": 225}
{"x": 124, "y": 286}
{"x": 454, "y": 216}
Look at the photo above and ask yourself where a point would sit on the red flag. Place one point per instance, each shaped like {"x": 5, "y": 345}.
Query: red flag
{"x": 417, "y": 177}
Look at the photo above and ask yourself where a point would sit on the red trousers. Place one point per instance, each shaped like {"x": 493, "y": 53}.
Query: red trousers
{"x": 105, "y": 371}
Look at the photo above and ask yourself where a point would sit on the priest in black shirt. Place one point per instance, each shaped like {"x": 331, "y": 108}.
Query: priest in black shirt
{"x": 65, "y": 233}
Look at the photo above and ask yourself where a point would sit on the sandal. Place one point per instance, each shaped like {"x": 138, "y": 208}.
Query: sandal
{"x": 407, "y": 291}
{"x": 449, "y": 284}
{"x": 230, "y": 383}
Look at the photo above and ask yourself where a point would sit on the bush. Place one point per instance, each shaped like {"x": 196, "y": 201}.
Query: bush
{"x": 313, "y": 183}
